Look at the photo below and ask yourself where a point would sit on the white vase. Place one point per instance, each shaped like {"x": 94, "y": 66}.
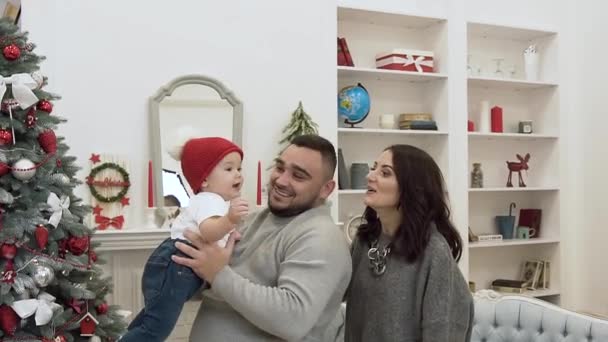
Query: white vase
{"x": 531, "y": 66}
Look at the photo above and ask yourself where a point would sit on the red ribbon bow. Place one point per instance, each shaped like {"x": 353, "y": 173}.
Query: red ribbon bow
{"x": 104, "y": 222}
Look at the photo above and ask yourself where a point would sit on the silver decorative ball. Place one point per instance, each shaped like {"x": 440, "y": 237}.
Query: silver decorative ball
{"x": 38, "y": 78}
{"x": 43, "y": 275}
{"x": 60, "y": 179}
{"x": 24, "y": 169}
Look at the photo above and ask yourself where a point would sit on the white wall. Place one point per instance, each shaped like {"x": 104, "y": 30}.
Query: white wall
{"x": 105, "y": 58}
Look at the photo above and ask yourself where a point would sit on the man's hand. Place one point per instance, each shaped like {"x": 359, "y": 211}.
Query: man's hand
{"x": 239, "y": 208}
{"x": 208, "y": 259}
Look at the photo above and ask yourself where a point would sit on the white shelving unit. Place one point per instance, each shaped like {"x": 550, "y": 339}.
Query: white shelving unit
{"x": 520, "y": 99}
{"x": 370, "y": 31}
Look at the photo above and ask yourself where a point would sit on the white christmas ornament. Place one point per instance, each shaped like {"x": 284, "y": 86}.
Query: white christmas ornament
{"x": 95, "y": 339}
{"x": 43, "y": 275}
{"x": 24, "y": 169}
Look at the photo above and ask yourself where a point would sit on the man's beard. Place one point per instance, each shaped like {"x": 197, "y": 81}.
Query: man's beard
{"x": 291, "y": 210}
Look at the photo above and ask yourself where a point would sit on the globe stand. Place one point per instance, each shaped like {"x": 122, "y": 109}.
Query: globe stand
{"x": 352, "y": 124}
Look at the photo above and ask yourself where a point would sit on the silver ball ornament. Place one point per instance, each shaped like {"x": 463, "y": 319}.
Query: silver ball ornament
{"x": 42, "y": 275}
{"x": 60, "y": 179}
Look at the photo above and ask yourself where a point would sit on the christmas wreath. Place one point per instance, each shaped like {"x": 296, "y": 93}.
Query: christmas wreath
{"x": 125, "y": 184}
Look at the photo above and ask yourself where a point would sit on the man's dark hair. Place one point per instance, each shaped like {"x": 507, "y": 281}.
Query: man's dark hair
{"x": 323, "y": 146}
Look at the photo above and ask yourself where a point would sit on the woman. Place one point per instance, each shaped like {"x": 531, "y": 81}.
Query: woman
{"x": 406, "y": 285}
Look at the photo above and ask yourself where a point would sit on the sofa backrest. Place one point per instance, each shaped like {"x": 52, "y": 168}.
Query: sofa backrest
{"x": 518, "y": 318}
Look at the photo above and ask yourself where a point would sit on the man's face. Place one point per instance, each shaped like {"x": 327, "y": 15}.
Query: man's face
{"x": 298, "y": 182}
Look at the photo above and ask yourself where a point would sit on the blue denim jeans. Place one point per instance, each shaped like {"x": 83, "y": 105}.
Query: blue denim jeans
{"x": 166, "y": 287}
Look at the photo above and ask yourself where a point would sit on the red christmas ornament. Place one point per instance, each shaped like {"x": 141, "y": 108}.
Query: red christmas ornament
{"x": 30, "y": 118}
{"x": 6, "y": 137}
{"x": 102, "y": 308}
{"x": 4, "y": 169}
{"x": 42, "y": 236}
{"x": 78, "y": 245}
{"x": 93, "y": 256}
{"x": 8, "y": 320}
{"x": 58, "y": 162}
{"x": 48, "y": 141}
{"x": 11, "y": 52}
{"x": 45, "y": 106}
{"x": 8, "y": 251}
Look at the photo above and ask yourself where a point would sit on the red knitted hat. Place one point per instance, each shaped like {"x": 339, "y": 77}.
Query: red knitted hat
{"x": 201, "y": 155}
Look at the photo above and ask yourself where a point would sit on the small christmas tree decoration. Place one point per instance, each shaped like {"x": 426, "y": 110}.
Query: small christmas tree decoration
{"x": 42, "y": 274}
{"x": 78, "y": 245}
{"x": 38, "y": 78}
{"x": 95, "y": 338}
{"x": 4, "y": 169}
{"x": 48, "y": 141}
{"x": 60, "y": 179}
{"x": 42, "y": 236}
{"x": 88, "y": 325}
{"x": 300, "y": 124}
{"x": 102, "y": 308}
{"x": 11, "y": 52}
{"x": 6, "y": 137}
{"x": 9, "y": 274}
{"x": 45, "y": 106}
{"x": 30, "y": 118}
{"x": 24, "y": 169}
{"x": 8, "y": 320}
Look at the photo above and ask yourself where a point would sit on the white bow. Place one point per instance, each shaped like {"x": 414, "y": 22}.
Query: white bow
{"x": 22, "y": 88}
{"x": 43, "y": 307}
{"x": 57, "y": 206}
{"x": 418, "y": 62}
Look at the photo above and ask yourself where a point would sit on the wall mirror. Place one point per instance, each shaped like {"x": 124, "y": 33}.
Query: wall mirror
{"x": 195, "y": 103}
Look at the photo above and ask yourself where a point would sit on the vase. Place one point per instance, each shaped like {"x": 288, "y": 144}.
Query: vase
{"x": 476, "y": 176}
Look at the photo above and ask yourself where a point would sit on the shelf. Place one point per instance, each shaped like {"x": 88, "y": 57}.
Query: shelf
{"x": 533, "y": 293}
{"x": 513, "y": 242}
{"x": 367, "y": 74}
{"x": 352, "y": 192}
{"x": 379, "y": 17}
{"x": 507, "y": 83}
{"x": 514, "y": 189}
{"x": 380, "y": 131}
{"x": 510, "y": 136}
{"x": 491, "y": 31}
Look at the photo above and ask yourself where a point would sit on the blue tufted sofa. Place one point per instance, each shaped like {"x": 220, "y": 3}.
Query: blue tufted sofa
{"x": 518, "y": 318}
{"x": 515, "y": 319}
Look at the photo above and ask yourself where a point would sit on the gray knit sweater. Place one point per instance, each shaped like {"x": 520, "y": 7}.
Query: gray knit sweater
{"x": 286, "y": 279}
{"x": 428, "y": 300}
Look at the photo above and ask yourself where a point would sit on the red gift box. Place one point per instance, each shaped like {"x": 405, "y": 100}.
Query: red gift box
{"x": 496, "y": 119}
{"x": 405, "y": 60}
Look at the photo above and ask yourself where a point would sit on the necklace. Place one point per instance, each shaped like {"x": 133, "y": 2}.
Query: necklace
{"x": 377, "y": 258}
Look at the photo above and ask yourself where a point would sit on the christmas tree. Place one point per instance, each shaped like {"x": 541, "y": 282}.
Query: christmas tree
{"x": 300, "y": 124}
{"x": 51, "y": 288}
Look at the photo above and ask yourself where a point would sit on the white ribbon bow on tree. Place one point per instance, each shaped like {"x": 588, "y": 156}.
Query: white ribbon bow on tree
{"x": 43, "y": 308}
{"x": 418, "y": 62}
{"x": 22, "y": 92}
{"x": 57, "y": 207}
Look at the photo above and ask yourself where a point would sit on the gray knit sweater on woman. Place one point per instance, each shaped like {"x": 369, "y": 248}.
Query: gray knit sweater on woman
{"x": 427, "y": 300}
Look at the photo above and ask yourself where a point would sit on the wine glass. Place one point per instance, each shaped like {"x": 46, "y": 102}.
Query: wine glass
{"x": 498, "y": 72}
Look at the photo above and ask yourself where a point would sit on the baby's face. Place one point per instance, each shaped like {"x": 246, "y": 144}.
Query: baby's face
{"x": 226, "y": 179}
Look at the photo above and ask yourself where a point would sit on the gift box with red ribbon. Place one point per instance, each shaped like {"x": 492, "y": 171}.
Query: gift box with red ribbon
{"x": 406, "y": 60}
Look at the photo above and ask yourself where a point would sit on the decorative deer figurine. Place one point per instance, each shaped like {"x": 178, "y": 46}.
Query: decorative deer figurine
{"x": 522, "y": 164}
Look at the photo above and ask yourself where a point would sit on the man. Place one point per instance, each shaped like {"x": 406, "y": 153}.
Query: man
{"x": 289, "y": 272}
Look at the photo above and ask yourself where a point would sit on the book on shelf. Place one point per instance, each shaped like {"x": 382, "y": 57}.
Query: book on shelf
{"x": 341, "y": 56}
{"x": 506, "y": 289}
{"x": 509, "y": 283}
{"x": 531, "y": 273}
{"x": 489, "y": 237}
{"x": 343, "y": 48}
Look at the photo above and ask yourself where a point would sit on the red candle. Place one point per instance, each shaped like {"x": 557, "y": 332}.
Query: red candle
{"x": 259, "y": 190}
{"x": 150, "y": 187}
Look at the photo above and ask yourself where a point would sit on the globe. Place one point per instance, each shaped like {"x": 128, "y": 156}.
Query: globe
{"x": 353, "y": 104}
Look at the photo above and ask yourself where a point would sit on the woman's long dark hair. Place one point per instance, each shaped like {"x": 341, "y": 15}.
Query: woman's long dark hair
{"x": 423, "y": 202}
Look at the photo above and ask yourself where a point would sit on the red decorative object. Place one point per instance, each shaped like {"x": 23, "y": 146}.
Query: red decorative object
{"x": 496, "y": 119}
{"x": 406, "y": 60}
{"x": 9, "y": 274}
{"x": 150, "y": 186}
{"x": 63, "y": 247}
{"x": 105, "y": 222}
{"x": 58, "y": 162}
{"x": 531, "y": 218}
{"x": 102, "y": 308}
{"x": 8, "y": 250}
{"x": 470, "y": 126}
{"x": 30, "y": 118}
{"x": 125, "y": 201}
{"x": 11, "y": 52}
{"x": 76, "y": 304}
{"x": 4, "y": 169}
{"x": 48, "y": 141}
{"x": 77, "y": 245}
{"x": 95, "y": 158}
{"x": 8, "y": 320}
{"x": 45, "y": 106}
{"x": 42, "y": 236}
{"x": 97, "y": 210}
{"x": 6, "y": 137}
{"x": 522, "y": 164}
{"x": 88, "y": 324}
{"x": 92, "y": 256}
